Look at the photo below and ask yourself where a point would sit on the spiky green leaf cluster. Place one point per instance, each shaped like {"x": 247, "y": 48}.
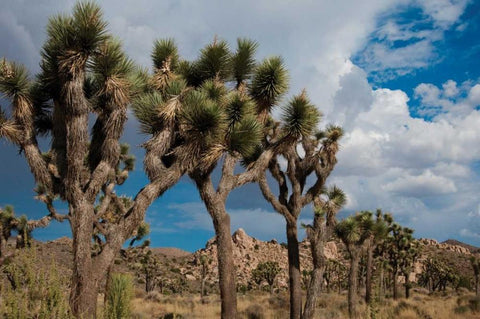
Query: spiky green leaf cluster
{"x": 355, "y": 229}
{"x": 336, "y": 196}
{"x": 245, "y": 136}
{"x": 214, "y": 90}
{"x": 214, "y": 61}
{"x": 175, "y": 88}
{"x": 164, "y": 49}
{"x": 333, "y": 133}
{"x": 111, "y": 61}
{"x": 269, "y": 83}
{"x": 14, "y": 80}
{"x": 300, "y": 117}
{"x": 146, "y": 109}
{"x": 238, "y": 106}
{"x": 243, "y": 61}
{"x": 70, "y": 41}
{"x": 202, "y": 118}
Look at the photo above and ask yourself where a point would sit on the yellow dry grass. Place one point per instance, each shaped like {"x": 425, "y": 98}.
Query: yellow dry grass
{"x": 276, "y": 307}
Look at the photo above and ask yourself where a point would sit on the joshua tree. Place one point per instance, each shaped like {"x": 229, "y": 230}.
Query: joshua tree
{"x": 142, "y": 231}
{"x": 267, "y": 271}
{"x": 400, "y": 250}
{"x": 233, "y": 132}
{"x": 354, "y": 232}
{"x": 378, "y": 234}
{"x": 475, "y": 262}
{"x": 85, "y": 74}
{"x": 437, "y": 274}
{"x": 204, "y": 260}
{"x": 7, "y": 224}
{"x": 335, "y": 274}
{"x": 24, "y": 228}
{"x": 297, "y": 128}
{"x": 324, "y": 221}
{"x": 217, "y": 109}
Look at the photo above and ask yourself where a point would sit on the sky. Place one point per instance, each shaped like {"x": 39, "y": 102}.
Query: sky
{"x": 401, "y": 77}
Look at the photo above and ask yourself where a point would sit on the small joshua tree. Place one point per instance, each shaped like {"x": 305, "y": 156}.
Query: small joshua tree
{"x": 475, "y": 262}
{"x": 24, "y": 228}
{"x": 400, "y": 250}
{"x": 378, "y": 234}
{"x": 326, "y": 208}
{"x": 354, "y": 232}
{"x": 204, "y": 260}
{"x": 266, "y": 271}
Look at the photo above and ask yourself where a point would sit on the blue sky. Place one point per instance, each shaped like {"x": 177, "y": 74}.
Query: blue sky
{"x": 402, "y": 78}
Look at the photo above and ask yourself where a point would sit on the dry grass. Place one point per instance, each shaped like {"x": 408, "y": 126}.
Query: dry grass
{"x": 259, "y": 305}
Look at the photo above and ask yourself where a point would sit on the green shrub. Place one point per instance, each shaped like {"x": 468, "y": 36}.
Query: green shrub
{"x": 32, "y": 292}
{"x": 119, "y": 297}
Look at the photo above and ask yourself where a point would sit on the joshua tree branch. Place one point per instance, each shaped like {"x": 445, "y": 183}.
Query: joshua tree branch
{"x": 147, "y": 195}
{"x": 227, "y": 181}
{"x": 322, "y": 173}
{"x": 251, "y": 174}
{"x": 281, "y": 179}
{"x": 155, "y": 148}
{"x": 270, "y": 197}
{"x": 102, "y": 209}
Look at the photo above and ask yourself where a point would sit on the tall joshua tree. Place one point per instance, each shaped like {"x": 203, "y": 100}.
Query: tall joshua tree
{"x": 322, "y": 229}
{"x": 354, "y": 232}
{"x": 222, "y": 113}
{"x": 85, "y": 74}
{"x": 298, "y": 130}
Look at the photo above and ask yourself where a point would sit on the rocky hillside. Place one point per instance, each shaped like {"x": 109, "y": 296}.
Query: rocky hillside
{"x": 179, "y": 270}
{"x": 249, "y": 252}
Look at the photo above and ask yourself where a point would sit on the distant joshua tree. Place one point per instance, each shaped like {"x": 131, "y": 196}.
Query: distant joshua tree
{"x": 475, "y": 262}
{"x": 326, "y": 208}
{"x": 378, "y": 235}
{"x": 401, "y": 251}
{"x": 24, "y": 228}
{"x": 354, "y": 232}
{"x": 266, "y": 271}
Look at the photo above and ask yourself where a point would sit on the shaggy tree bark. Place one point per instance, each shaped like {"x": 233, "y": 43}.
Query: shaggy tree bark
{"x": 215, "y": 200}
{"x": 226, "y": 266}
{"x": 318, "y": 234}
{"x": 295, "y": 279}
{"x": 352, "y": 283}
{"x": 64, "y": 171}
{"x": 368, "y": 281}
{"x": 321, "y": 162}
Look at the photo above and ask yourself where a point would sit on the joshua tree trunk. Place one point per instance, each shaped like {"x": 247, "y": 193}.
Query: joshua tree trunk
{"x": 352, "y": 283}
{"x": 295, "y": 283}
{"x": 226, "y": 267}
{"x": 215, "y": 204}
{"x": 313, "y": 292}
{"x": 382, "y": 281}
{"x": 202, "y": 291}
{"x": 317, "y": 237}
{"x": 395, "y": 292}
{"x": 407, "y": 286}
{"x": 368, "y": 281}
{"x": 476, "y": 285}
{"x": 84, "y": 292}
